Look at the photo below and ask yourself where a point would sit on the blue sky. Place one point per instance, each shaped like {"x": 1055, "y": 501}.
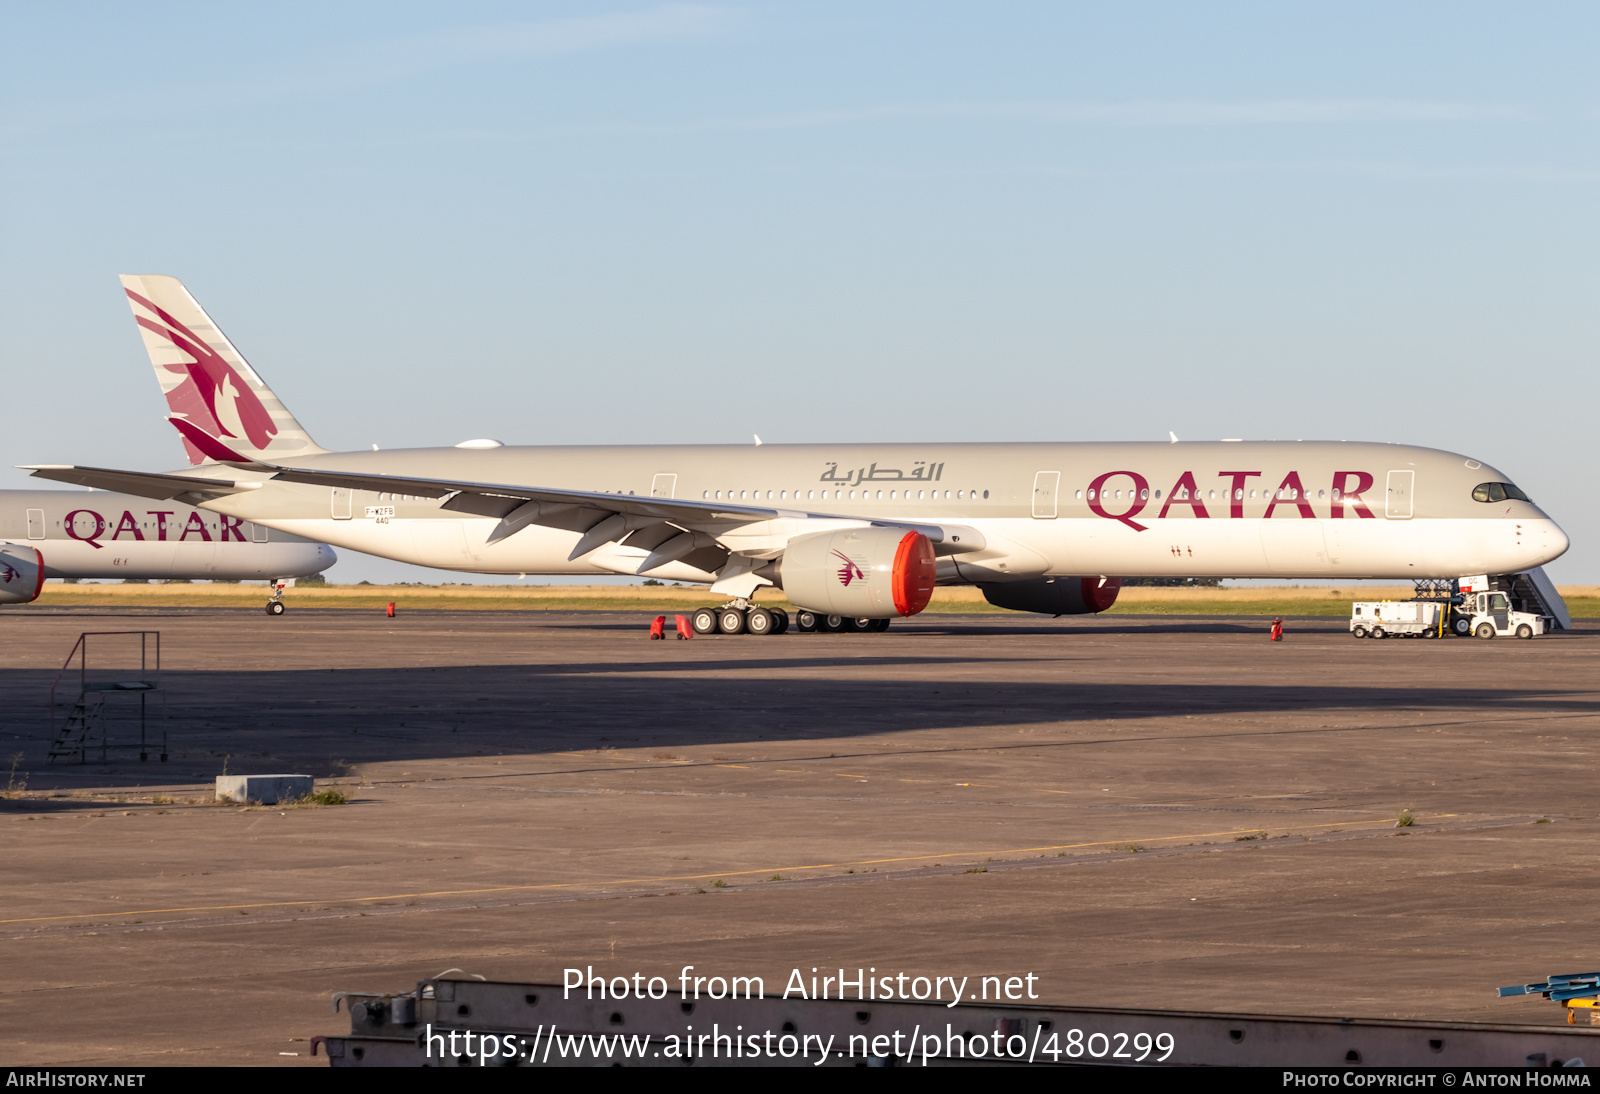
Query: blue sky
{"x": 573, "y": 223}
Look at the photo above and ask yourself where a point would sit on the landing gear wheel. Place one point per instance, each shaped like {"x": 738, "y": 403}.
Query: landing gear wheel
{"x": 275, "y": 607}
{"x": 780, "y": 620}
{"x": 759, "y": 621}
{"x": 833, "y": 624}
{"x": 1379, "y": 632}
{"x": 806, "y": 622}
{"x": 855, "y": 625}
{"x": 1358, "y": 632}
{"x": 879, "y": 626}
{"x": 1461, "y": 625}
{"x": 1524, "y": 631}
{"x": 1485, "y": 630}
{"x": 704, "y": 621}
{"x": 730, "y": 621}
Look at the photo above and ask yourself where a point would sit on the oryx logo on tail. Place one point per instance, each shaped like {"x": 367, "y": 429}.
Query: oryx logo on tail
{"x": 217, "y": 402}
{"x": 213, "y": 401}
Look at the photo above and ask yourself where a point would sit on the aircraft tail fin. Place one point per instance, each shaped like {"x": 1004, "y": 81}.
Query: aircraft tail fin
{"x": 219, "y": 406}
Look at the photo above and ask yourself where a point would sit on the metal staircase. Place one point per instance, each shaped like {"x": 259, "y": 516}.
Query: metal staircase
{"x": 85, "y": 726}
{"x": 1532, "y": 591}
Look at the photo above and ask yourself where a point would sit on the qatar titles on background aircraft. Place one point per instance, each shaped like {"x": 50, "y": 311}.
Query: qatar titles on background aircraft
{"x": 93, "y": 534}
{"x": 847, "y": 530}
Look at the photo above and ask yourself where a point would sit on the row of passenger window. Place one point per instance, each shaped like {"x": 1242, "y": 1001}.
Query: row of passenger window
{"x": 1183, "y": 494}
{"x": 845, "y": 495}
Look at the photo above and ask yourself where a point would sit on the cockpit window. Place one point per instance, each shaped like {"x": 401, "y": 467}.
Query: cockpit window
{"x": 1497, "y": 491}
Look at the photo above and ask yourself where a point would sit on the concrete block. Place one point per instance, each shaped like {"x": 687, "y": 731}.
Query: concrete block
{"x": 266, "y": 789}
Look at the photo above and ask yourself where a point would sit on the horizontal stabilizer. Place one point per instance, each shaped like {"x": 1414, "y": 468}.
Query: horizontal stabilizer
{"x": 138, "y": 483}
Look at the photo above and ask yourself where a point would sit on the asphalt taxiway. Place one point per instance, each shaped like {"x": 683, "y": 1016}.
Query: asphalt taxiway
{"x": 1140, "y": 811}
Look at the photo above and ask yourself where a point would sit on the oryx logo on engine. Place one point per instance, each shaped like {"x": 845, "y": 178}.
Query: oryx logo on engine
{"x": 849, "y": 571}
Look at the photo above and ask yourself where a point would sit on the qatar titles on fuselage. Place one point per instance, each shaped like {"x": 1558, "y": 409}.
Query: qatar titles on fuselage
{"x": 97, "y": 534}
{"x": 992, "y": 514}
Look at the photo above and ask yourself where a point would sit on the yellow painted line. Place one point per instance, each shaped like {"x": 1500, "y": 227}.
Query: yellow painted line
{"x": 743, "y": 767}
{"x": 661, "y": 880}
{"x": 842, "y": 775}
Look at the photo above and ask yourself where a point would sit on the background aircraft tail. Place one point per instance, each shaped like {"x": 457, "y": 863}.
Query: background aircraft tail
{"x": 220, "y": 407}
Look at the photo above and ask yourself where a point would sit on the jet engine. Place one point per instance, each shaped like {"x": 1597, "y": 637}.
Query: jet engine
{"x": 1055, "y": 595}
{"x": 862, "y": 573}
{"x": 21, "y": 573}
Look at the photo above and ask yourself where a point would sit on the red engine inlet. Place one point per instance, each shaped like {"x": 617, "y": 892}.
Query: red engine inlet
{"x": 21, "y": 573}
{"x": 912, "y": 578}
{"x": 862, "y": 573}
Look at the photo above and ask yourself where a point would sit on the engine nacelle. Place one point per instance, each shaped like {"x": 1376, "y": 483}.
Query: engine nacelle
{"x": 1055, "y": 595}
{"x": 863, "y": 573}
{"x": 21, "y": 573}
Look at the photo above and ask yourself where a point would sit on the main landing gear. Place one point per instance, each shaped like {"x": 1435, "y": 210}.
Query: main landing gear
{"x": 743, "y": 617}
{"x": 739, "y": 617}
{"x": 807, "y": 622}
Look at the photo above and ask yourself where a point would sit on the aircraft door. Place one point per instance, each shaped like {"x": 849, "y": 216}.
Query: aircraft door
{"x": 35, "y": 523}
{"x": 1046, "y": 484}
{"x": 1397, "y": 503}
{"x": 341, "y": 503}
{"x": 258, "y": 533}
{"x": 663, "y": 486}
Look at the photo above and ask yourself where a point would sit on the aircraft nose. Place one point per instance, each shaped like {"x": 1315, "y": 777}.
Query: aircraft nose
{"x": 1553, "y": 542}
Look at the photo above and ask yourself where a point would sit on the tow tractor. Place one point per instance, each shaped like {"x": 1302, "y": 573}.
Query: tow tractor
{"x": 1525, "y": 605}
{"x": 1491, "y": 616}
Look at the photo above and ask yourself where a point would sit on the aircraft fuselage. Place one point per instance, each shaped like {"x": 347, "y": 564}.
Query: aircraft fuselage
{"x": 98, "y": 534}
{"x": 1211, "y": 509}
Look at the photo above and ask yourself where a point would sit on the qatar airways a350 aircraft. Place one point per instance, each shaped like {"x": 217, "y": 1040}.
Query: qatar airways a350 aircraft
{"x": 857, "y": 532}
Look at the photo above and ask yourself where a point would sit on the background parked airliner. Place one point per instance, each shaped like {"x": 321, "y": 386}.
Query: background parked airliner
{"x": 95, "y": 534}
{"x": 848, "y": 530}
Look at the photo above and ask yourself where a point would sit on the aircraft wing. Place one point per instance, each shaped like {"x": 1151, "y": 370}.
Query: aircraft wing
{"x": 184, "y": 488}
{"x": 601, "y": 517}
